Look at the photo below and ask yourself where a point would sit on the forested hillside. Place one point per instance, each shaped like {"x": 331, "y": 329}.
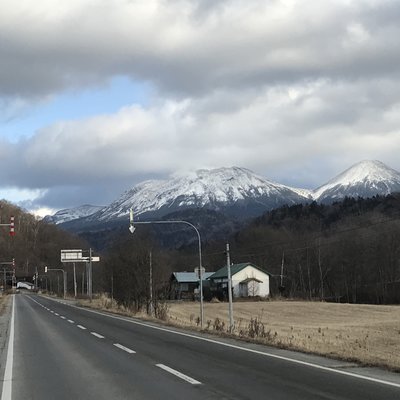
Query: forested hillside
{"x": 348, "y": 251}
{"x": 34, "y": 244}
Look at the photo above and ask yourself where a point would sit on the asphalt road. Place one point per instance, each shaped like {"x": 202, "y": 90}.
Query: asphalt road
{"x": 63, "y": 352}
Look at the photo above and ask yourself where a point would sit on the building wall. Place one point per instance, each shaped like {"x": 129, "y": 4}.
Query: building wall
{"x": 251, "y": 272}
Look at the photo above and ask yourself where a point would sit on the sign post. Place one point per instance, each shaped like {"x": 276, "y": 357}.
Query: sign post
{"x": 75, "y": 256}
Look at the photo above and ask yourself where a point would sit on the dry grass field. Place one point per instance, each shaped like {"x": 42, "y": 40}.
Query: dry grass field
{"x": 365, "y": 333}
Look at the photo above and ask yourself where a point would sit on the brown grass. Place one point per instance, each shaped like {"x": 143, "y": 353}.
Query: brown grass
{"x": 3, "y": 303}
{"x": 364, "y": 333}
{"x": 367, "y": 334}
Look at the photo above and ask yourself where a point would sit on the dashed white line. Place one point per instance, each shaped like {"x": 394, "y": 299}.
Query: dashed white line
{"x": 62, "y": 317}
{"x": 97, "y": 335}
{"x": 52, "y": 311}
{"x": 128, "y": 350}
{"x": 71, "y": 322}
{"x": 241, "y": 348}
{"x": 178, "y": 374}
{"x": 81, "y": 327}
{"x": 57, "y": 314}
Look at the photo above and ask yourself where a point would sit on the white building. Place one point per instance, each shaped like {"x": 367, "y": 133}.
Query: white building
{"x": 248, "y": 280}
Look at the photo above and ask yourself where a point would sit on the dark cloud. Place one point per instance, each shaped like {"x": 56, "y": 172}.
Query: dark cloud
{"x": 292, "y": 90}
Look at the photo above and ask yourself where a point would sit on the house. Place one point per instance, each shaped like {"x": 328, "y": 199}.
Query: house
{"x": 248, "y": 280}
{"x": 184, "y": 285}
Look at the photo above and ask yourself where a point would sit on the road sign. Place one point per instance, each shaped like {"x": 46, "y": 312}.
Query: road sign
{"x": 87, "y": 259}
{"x": 71, "y": 256}
{"x": 197, "y": 271}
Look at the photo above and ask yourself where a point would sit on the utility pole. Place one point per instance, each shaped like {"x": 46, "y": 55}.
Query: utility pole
{"x": 83, "y": 282}
{"x": 112, "y": 285}
{"x": 65, "y": 283}
{"x": 75, "y": 286}
{"x": 151, "y": 284}
{"x": 281, "y": 287}
{"x": 228, "y": 266}
{"x": 87, "y": 279}
{"x": 90, "y": 275}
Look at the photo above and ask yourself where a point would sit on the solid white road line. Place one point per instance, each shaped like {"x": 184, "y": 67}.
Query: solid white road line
{"x": 81, "y": 327}
{"x": 232, "y": 346}
{"x": 71, "y": 322}
{"x": 130, "y": 351}
{"x": 8, "y": 373}
{"x": 178, "y": 374}
{"x": 97, "y": 335}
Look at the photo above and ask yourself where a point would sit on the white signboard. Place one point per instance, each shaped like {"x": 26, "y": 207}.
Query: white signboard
{"x": 197, "y": 272}
{"x": 71, "y": 256}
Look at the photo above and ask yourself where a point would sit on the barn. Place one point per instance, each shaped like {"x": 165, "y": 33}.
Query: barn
{"x": 248, "y": 280}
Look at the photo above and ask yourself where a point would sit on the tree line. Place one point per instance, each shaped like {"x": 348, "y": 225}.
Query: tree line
{"x": 348, "y": 251}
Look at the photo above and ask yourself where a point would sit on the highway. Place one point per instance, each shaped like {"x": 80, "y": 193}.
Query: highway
{"x": 59, "y": 351}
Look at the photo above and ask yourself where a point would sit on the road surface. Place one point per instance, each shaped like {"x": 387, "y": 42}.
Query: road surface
{"x": 58, "y": 351}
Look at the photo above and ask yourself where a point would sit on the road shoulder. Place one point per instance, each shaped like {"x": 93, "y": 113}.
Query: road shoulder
{"x": 5, "y": 317}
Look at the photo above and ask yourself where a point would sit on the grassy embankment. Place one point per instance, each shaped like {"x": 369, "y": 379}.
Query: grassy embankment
{"x": 368, "y": 334}
{"x": 3, "y": 303}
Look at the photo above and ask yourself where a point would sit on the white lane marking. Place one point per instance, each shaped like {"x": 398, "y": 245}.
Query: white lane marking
{"x": 71, "y": 322}
{"x": 57, "y": 314}
{"x": 97, "y": 335}
{"x": 130, "y": 351}
{"x": 8, "y": 373}
{"x": 62, "y": 317}
{"x": 232, "y": 346}
{"x": 81, "y": 327}
{"x": 263, "y": 353}
{"x": 178, "y": 374}
{"x": 52, "y": 311}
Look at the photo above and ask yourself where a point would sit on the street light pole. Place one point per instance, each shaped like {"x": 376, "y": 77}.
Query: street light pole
{"x": 64, "y": 277}
{"x": 132, "y": 230}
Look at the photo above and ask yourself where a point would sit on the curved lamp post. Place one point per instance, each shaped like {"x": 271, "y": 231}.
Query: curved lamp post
{"x": 132, "y": 230}
{"x": 46, "y": 269}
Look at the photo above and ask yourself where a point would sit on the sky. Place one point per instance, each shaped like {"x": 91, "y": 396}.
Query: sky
{"x": 99, "y": 95}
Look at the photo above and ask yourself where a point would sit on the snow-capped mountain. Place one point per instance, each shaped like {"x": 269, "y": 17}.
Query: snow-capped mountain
{"x": 70, "y": 214}
{"x": 236, "y": 190}
{"x": 364, "y": 179}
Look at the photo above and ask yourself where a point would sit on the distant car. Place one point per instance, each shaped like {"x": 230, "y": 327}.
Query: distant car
{"x": 25, "y": 285}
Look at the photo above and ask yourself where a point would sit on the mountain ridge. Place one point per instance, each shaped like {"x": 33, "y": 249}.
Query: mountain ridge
{"x": 238, "y": 192}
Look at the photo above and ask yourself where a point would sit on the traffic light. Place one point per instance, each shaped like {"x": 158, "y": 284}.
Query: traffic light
{"x": 12, "y": 226}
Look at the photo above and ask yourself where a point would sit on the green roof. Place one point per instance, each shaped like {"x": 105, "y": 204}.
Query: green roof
{"x": 235, "y": 268}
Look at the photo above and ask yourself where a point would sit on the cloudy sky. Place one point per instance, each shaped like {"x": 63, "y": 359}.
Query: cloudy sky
{"x": 98, "y": 95}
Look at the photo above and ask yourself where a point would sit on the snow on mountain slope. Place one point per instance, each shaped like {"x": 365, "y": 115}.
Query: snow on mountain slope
{"x": 70, "y": 214}
{"x": 235, "y": 191}
{"x": 212, "y": 188}
{"x": 364, "y": 179}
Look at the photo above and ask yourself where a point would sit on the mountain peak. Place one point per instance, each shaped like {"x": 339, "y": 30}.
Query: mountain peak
{"x": 373, "y": 170}
{"x": 365, "y": 179}
{"x": 232, "y": 187}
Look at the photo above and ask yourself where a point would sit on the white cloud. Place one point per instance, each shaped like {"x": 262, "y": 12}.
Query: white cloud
{"x": 280, "y": 87}
{"x": 262, "y": 131}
